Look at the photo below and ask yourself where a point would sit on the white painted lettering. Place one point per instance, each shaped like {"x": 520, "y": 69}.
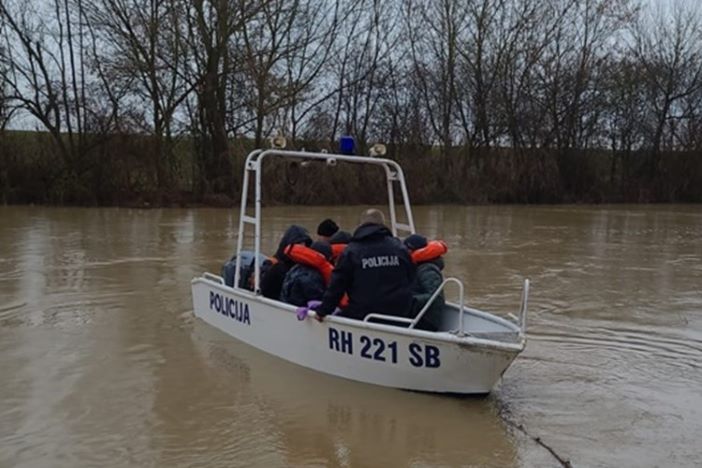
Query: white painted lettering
{"x": 380, "y": 261}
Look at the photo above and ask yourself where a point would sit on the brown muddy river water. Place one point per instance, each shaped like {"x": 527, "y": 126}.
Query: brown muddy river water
{"x": 103, "y": 364}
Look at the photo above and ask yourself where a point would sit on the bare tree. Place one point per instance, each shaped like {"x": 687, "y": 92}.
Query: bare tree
{"x": 688, "y": 133}
{"x": 140, "y": 42}
{"x": 401, "y": 118}
{"x": 266, "y": 42}
{"x": 521, "y": 35}
{"x": 479, "y": 55}
{"x": 5, "y": 112}
{"x": 571, "y": 67}
{"x": 45, "y": 76}
{"x": 668, "y": 45}
{"x": 434, "y": 31}
{"x": 363, "y": 67}
{"x": 311, "y": 45}
{"x": 625, "y": 110}
{"x": 211, "y": 26}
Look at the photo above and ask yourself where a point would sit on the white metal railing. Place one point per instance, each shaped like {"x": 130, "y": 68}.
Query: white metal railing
{"x": 413, "y": 322}
{"x": 461, "y": 302}
{"x": 520, "y": 320}
{"x": 244, "y": 218}
{"x": 213, "y": 277}
{"x": 254, "y": 163}
{"x": 523, "y": 306}
{"x": 390, "y": 318}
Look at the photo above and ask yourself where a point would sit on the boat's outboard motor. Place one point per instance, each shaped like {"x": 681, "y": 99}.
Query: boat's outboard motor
{"x": 246, "y": 269}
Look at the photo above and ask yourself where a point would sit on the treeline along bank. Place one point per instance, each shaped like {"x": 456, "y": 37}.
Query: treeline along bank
{"x": 517, "y": 101}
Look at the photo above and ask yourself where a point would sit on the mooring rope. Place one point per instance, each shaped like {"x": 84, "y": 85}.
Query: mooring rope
{"x": 507, "y": 418}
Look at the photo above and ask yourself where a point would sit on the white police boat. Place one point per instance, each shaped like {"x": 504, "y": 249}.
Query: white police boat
{"x": 468, "y": 355}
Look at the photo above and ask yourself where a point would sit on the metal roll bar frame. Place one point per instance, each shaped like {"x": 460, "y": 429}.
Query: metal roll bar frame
{"x": 254, "y": 163}
{"x": 393, "y": 173}
{"x": 413, "y": 322}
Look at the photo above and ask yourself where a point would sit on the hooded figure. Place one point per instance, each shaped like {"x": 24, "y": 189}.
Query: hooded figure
{"x": 338, "y": 242}
{"x": 305, "y": 283}
{"x": 375, "y": 270}
{"x": 428, "y": 280}
{"x": 340, "y": 237}
{"x": 272, "y": 278}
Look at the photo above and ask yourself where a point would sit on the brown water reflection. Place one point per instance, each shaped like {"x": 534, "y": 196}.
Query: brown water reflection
{"x": 102, "y": 363}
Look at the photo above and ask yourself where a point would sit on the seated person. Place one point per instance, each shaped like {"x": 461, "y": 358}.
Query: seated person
{"x": 305, "y": 282}
{"x": 272, "y": 279}
{"x": 326, "y": 230}
{"x": 338, "y": 242}
{"x": 427, "y": 257}
{"x": 375, "y": 270}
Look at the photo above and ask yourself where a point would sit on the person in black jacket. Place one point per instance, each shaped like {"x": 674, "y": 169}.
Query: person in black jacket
{"x": 375, "y": 270}
{"x": 428, "y": 280}
{"x": 305, "y": 283}
{"x": 272, "y": 280}
{"x": 338, "y": 242}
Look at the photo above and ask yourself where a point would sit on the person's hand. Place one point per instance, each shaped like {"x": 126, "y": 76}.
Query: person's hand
{"x": 301, "y": 313}
{"x": 313, "y": 306}
{"x": 305, "y": 311}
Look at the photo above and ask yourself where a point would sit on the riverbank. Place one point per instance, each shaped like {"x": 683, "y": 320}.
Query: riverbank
{"x": 121, "y": 172}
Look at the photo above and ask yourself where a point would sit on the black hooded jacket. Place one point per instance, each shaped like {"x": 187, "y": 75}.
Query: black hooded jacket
{"x": 272, "y": 279}
{"x": 376, "y": 271}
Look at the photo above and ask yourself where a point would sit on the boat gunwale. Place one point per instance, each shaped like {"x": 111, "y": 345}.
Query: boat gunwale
{"x": 443, "y": 337}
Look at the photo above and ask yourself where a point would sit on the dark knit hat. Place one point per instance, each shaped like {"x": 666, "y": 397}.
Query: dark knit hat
{"x": 322, "y": 247}
{"x": 415, "y": 241}
{"x": 327, "y": 228}
{"x": 341, "y": 237}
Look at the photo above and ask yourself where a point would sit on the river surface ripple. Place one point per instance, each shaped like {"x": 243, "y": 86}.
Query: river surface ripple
{"x": 103, "y": 364}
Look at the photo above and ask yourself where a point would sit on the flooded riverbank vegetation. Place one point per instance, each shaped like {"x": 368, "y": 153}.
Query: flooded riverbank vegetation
{"x": 122, "y": 172}
{"x": 482, "y": 101}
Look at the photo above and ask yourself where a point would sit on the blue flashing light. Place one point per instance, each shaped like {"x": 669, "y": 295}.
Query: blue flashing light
{"x": 347, "y": 145}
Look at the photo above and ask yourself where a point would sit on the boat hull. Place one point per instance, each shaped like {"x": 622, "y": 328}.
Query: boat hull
{"x": 365, "y": 352}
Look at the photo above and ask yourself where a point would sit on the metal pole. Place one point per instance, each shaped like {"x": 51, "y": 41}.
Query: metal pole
{"x": 391, "y": 200}
{"x": 525, "y": 301}
{"x": 242, "y": 214}
{"x": 257, "y": 228}
{"x": 405, "y": 198}
{"x": 461, "y": 305}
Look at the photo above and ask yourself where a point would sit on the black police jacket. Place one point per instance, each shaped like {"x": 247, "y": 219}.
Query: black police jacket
{"x": 377, "y": 273}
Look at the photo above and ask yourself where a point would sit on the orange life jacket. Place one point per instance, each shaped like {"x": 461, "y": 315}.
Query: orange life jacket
{"x": 337, "y": 249}
{"x": 433, "y": 250}
{"x": 300, "y": 253}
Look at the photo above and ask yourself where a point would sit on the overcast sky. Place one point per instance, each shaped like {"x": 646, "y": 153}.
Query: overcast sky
{"x": 668, "y": 3}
